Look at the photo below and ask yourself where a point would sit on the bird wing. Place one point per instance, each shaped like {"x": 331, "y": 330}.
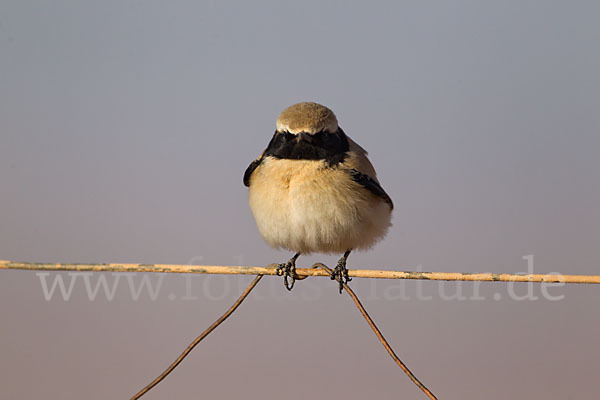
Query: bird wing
{"x": 357, "y": 158}
{"x": 253, "y": 165}
{"x": 371, "y": 185}
{"x": 362, "y": 172}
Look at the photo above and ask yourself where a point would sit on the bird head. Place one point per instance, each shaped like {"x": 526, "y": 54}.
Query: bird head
{"x": 308, "y": 118}
{"x": 307, "y": 131}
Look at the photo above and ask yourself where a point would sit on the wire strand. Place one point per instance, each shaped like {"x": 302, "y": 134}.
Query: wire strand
{"x": 302, "y": 272}
{"x": 379, "y": 335}
{"x": 198, "y": 339}
{"x": 317, "y": 269}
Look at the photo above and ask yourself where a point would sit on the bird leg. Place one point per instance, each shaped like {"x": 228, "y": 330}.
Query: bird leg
{"x": 288, "y": 270}
{"x": 340, "y": 273}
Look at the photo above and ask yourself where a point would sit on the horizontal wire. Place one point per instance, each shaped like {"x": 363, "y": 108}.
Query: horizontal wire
{"x": 270, "y": 270}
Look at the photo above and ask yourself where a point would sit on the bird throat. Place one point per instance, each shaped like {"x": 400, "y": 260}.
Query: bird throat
{"x": 325, "y": 146}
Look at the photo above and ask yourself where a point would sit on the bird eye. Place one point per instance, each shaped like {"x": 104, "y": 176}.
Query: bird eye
{"x": 286, "y": 135}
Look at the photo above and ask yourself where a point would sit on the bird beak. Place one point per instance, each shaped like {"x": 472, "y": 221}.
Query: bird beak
{"x": 304, "y": 136}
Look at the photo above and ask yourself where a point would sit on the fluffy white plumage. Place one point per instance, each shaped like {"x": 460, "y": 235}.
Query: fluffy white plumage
{"x": 310, "y": 205}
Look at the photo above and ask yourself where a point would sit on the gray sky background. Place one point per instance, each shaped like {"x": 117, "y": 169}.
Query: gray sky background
{"x": 125, "y": 129}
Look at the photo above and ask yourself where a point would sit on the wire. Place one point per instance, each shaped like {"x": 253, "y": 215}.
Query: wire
{"x": 317, "y": 269}
{"x": 379, "y": 335}
{"x": 198, "y": 339}
{"x": 302, "y": 272}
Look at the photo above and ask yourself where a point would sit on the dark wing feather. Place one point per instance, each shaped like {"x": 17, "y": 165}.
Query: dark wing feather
{"x": 253, "y": 165}
{"x": 371, "y": 185}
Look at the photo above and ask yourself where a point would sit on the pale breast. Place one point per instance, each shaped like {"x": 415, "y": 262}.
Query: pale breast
{"x": 305, "y": 206}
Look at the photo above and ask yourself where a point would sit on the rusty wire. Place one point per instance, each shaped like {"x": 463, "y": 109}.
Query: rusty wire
{"x": 378, "y": 333}
{"x": 245, "y": 294}
{"x": 211, "y": 328}
{"x": 317, "y": 269}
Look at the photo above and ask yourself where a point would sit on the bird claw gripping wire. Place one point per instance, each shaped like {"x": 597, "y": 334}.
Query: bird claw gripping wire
{"x": 340, "y": 274}
{"x": 288, "y": 270}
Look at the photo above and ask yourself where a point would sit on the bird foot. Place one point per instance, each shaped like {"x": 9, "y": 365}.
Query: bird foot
{"x": 340, "y": 274}
{"x": 288, "y": 270}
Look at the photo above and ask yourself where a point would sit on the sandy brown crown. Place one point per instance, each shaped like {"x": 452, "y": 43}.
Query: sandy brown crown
{"x": 307, "y": 117}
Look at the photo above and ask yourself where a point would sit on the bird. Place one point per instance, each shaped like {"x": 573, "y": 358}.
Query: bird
{"x": 314, "y": 190}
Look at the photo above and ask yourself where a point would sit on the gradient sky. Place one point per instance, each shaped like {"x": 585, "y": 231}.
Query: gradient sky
{"x": 125, "y": 129}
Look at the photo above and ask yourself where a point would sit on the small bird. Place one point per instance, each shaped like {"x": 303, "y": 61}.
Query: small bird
{"x": 313, "y": 190}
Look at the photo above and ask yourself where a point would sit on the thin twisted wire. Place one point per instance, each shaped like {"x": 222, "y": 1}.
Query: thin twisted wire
{"x": 211, "y": 328}
{"x": 378, "y": 333}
